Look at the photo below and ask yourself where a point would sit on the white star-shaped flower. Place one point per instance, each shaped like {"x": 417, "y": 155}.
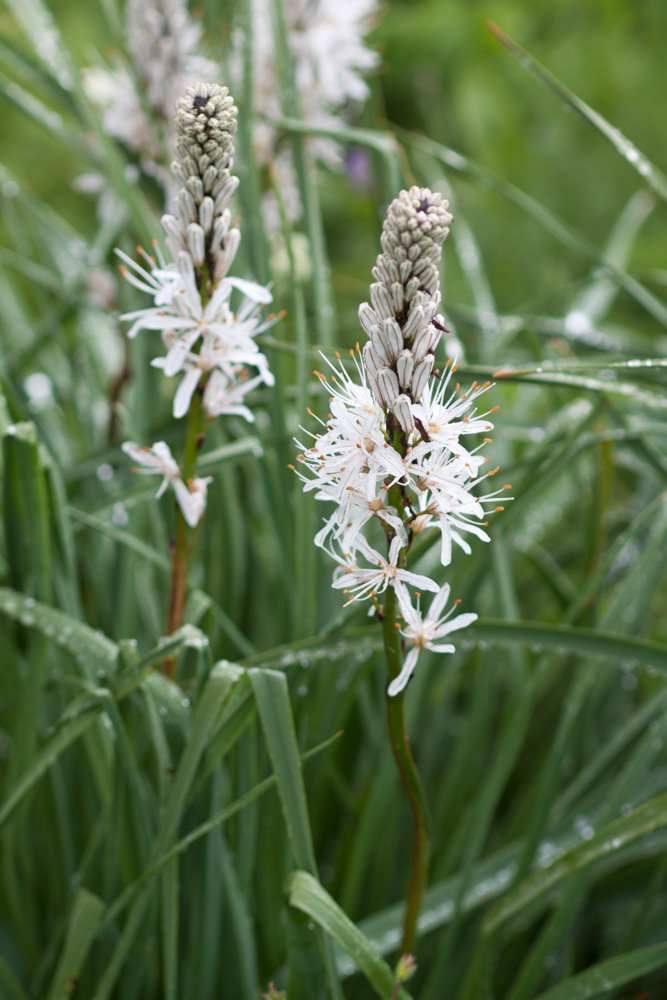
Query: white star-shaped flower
{"x": 425, "y": 632}
{"x": 360, "y": 582}
{"x": 178, "y": 310}
{"x": 159, "y": 461}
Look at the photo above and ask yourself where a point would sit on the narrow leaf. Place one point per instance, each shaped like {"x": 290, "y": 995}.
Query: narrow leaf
{"x": 83, "y": 923}
{"x": 306, "y": 894}
{"x": 600, "y": 979}
{"x": 45, "y": 759}
{"x": 627, "y": 149}
{"x": 647, "y": 818}
{"x": 275, "y": 712}
{"x": 272, "y": 697}
{"x": 83, "y": 642}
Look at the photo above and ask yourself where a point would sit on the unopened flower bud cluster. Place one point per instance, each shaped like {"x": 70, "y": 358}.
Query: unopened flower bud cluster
{"x": 403, "y": 323}
{"x": 201, "y": 223}
{"x": 398, "y": 428}
{"x": 209, "y": 343}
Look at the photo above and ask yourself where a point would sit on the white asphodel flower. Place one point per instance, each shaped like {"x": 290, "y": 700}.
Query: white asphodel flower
{"x": 154, "y": 461}
{"x": 425, "y": 632}
{"x": 447, "y": 500}
{"x": 191, "y": 498}
{"x": 225, "y": 358}
{"x": 354, "y": 512}
{"x": 360, "y": 582}
{"x": 158, "y": 279}
{"x": 351, "y": 457}
{"x": 447, "y": 415}
{"x": 178, "y": 309}
{"x": 159, "y": 461}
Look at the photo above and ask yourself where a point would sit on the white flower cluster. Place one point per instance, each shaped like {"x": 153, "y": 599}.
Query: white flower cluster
{"x": 137, "y": 103}
{"x": 210, "y": 344}
{"x": 394, "y": 447}
{"x": 325, "y": 39}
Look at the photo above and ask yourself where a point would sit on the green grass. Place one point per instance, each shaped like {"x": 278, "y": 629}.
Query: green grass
{"x": 200, "y": 839}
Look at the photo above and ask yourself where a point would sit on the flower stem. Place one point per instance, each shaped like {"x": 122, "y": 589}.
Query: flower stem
{"x": 183, "y": 539}
{"x": 407, "y": 769}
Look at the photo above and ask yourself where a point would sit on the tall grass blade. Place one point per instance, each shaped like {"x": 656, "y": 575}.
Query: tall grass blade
{"x": 306, "y": 894}
{"x": 649, "y": 173}
{"x": 84, "y": 920}
{"x": 600, "y": 979}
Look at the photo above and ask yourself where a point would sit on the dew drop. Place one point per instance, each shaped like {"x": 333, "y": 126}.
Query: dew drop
{"x": 39, "y": 390}
{"x": 119, "y": 515}
{"x": 584, "y": 828}
{"x": 104, "y": 472}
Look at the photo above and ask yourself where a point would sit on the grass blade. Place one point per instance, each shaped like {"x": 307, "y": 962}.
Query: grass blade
{"x": 271, "y": 695}
{"x": 273, "y": 706}
{"x": 306, "y": 894}
{"x": 647, "y": 818}
{"x": 600, "y": 979}
{"x": 85, "y": 644}
{"x": 643, "y": 166}
{"x": 84, "y": 920}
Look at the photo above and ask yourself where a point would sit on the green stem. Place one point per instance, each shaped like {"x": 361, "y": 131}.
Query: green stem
{"x": 183, "y": 540}
{"x": 407, "y": 769}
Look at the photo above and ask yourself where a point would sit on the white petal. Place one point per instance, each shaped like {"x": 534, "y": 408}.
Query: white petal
{"x": 404, "y": 602}
{"x": 184, "y": 392}
{"x": 178, "y": 352}
{"x": 258, "y": 293}
{"x": 163, "y": 451}
{"x": 417, "y": 581}
{"x": 446, "y": 543}
{"x": 439, "y": 602}
{"x": 461, "y": 621}
{"x": 406, "y": 673}
{"x": 444, "y": 648}
{"x": 135, "y": 451}
{"x": 192, "y": 501}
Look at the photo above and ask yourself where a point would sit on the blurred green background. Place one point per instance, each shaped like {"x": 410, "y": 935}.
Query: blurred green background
{"x": 445, "y": 75}
{"x": 580, "y": 546}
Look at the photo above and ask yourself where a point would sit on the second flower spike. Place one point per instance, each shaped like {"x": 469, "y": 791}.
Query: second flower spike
{"x": 208, "y": 320}
{"x": 391, "y": 456}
